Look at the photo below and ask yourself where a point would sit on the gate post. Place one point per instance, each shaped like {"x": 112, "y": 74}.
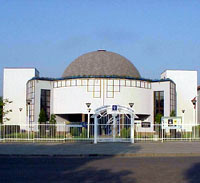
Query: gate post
{"x": 95, "y": 129}
{"x": 114, "y": 126}
{"x": 132, "y": 128}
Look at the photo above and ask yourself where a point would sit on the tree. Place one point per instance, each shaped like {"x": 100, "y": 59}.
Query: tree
{"x": 173, "y": 113}
{"x": 52, "y": 119}
{"x": 158, "y": 122}
{"x": 42, "y": 117}
{"x": 42, "y": 120}
{"x": 158, "y": 118}
{"x": 52, "y": 127}
{"x": 3, "y": 110}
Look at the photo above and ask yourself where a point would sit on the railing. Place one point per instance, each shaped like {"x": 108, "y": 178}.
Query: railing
{"x": 45, "y": 132}
{"x": 106, "y": 132}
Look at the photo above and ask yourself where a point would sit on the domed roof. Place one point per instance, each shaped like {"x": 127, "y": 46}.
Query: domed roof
{"x": 101, "y": 63}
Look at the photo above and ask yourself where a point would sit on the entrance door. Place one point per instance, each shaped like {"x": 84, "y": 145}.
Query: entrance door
{"x": 114, "y": 123}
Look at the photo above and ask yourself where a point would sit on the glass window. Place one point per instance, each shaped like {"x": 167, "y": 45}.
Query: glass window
{"x": 45, "y": 102}
{"x": 138, "y": 84}
{"x": 158, "y": 103}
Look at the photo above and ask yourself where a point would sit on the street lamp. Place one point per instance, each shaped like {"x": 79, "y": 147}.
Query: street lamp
{"x": 194, "y": 102}
{"x": 28, "y": 103}
{"x": 89, "y": 109}
{"x": 131, "y": 104}
{"x": 183, "y": 111}
{"x": 20, "y": 117}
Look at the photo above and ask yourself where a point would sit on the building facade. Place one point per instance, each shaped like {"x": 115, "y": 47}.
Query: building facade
{"x": 100, "y": 78}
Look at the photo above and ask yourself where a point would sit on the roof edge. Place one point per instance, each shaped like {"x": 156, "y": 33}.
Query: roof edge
{"x": 107, "y": 77}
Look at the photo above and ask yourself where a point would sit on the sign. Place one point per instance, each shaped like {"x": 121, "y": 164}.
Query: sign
{"x": 114, "y": 107}
{"x": 84, "y": 124}
{"x": 172, "y": 122}
{"x": 145, "y": 124}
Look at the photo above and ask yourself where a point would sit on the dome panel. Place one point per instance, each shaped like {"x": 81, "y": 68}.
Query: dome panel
{"x": 101, "y": 63}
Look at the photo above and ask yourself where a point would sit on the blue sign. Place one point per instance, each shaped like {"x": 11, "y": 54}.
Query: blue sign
{"x": 114, "y": 107}
{"x": 84, "y": 124}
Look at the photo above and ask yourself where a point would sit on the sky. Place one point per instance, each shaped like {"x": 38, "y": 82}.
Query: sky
{"x": 154, "y": 35}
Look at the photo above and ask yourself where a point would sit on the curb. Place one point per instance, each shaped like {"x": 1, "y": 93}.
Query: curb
{"x": 102, "y": 155}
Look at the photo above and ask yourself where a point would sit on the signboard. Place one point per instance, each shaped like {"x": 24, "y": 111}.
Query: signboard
{"x": 172, "y": 122}
{"x": 84, "y": 124}
{"x": 114, "y": 107}
{"x": 145, "y": 124}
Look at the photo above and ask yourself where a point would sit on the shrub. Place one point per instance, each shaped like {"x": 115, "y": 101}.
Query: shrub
{"x": 74, "y": 131}
{"x": 125, "y": 133}
{"x": 84, "y": 133}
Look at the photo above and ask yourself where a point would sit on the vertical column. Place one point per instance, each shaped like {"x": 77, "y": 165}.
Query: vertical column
{"x": 132, "y": 128}
{"x": 114, "y": 126}
{"x": 95, "y": 129}
{"x": 88, "y": 126}
{"x": 123, "y": 120}
{"x": 83, "y": 118}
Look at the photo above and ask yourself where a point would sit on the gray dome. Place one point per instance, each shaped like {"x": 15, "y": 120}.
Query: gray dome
{"x": 101, "y": 63}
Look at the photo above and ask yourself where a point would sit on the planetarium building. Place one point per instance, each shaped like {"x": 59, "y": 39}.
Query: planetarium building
{"x": 96, "y": 79}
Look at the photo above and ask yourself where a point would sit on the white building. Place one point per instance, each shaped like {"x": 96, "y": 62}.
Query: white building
{"x": 100, "y": 78}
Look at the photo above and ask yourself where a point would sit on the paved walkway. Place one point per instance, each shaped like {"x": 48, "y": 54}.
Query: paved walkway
{"x": 102, "y": 149}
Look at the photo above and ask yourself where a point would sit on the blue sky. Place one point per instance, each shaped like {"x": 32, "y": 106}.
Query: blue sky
{"x": 154, "y": 35}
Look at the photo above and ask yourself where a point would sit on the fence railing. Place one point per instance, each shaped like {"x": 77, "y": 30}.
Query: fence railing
{"x": 109, "y": 132}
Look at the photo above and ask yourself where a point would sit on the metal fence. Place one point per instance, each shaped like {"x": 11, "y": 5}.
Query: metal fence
{"x": 106, "y": 132}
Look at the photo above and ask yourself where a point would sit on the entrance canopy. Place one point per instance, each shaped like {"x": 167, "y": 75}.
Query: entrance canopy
{"x": 110, "y": 121}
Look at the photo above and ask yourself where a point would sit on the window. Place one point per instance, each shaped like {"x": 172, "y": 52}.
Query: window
{"x": 158, "y": 103}
{"x": 45, "y": 102}
{"x": 138, "y": 84}
{"x": 30, "y": 96}
{"x": 172, "y": 97}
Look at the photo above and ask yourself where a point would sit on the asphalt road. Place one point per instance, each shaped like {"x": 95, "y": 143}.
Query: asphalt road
{"x": 103, "y": 169}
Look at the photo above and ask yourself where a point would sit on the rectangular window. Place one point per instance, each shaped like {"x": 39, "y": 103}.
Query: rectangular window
{"x": 158, "y": 103}
{"x": 45, "y": 102}
{"x": 128, "y": 83}
{"x": 68, "y": 83}
{"x": 138, "y": 84}
{"x": 172, "y": 98}
{"x": 63, "y": 83}
{"x": 133, "y": 83}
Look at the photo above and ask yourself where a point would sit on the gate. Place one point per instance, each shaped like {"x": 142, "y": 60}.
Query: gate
{"x": 114, "y": 123}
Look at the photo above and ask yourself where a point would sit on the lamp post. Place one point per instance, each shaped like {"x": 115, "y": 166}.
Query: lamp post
{"x": 183, "y": 111}
{"x": 194, "y": 102}
{"x": 28, "y": 104}
{"x": 131, "y": 104}
{"x": 20, "y": 116}
{"x": 89, "y": 109}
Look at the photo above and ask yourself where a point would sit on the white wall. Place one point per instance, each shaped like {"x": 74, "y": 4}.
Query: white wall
{"x": 72, "y": 100}
{"x": 41, "y": 84}
{"x": 14, "y": 89}
{"x": 68, "y": 100}
{"x": 163, "y": 86}
{"x": 186, "y": 87}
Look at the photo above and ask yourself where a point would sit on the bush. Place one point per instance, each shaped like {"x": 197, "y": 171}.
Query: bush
{"x": 42, "y": 131}
{"x": 52, "y": 130}
{"x": 125, "y": 133}
{"x": 75, "y": 131}
{"x": 84, "y": 133}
